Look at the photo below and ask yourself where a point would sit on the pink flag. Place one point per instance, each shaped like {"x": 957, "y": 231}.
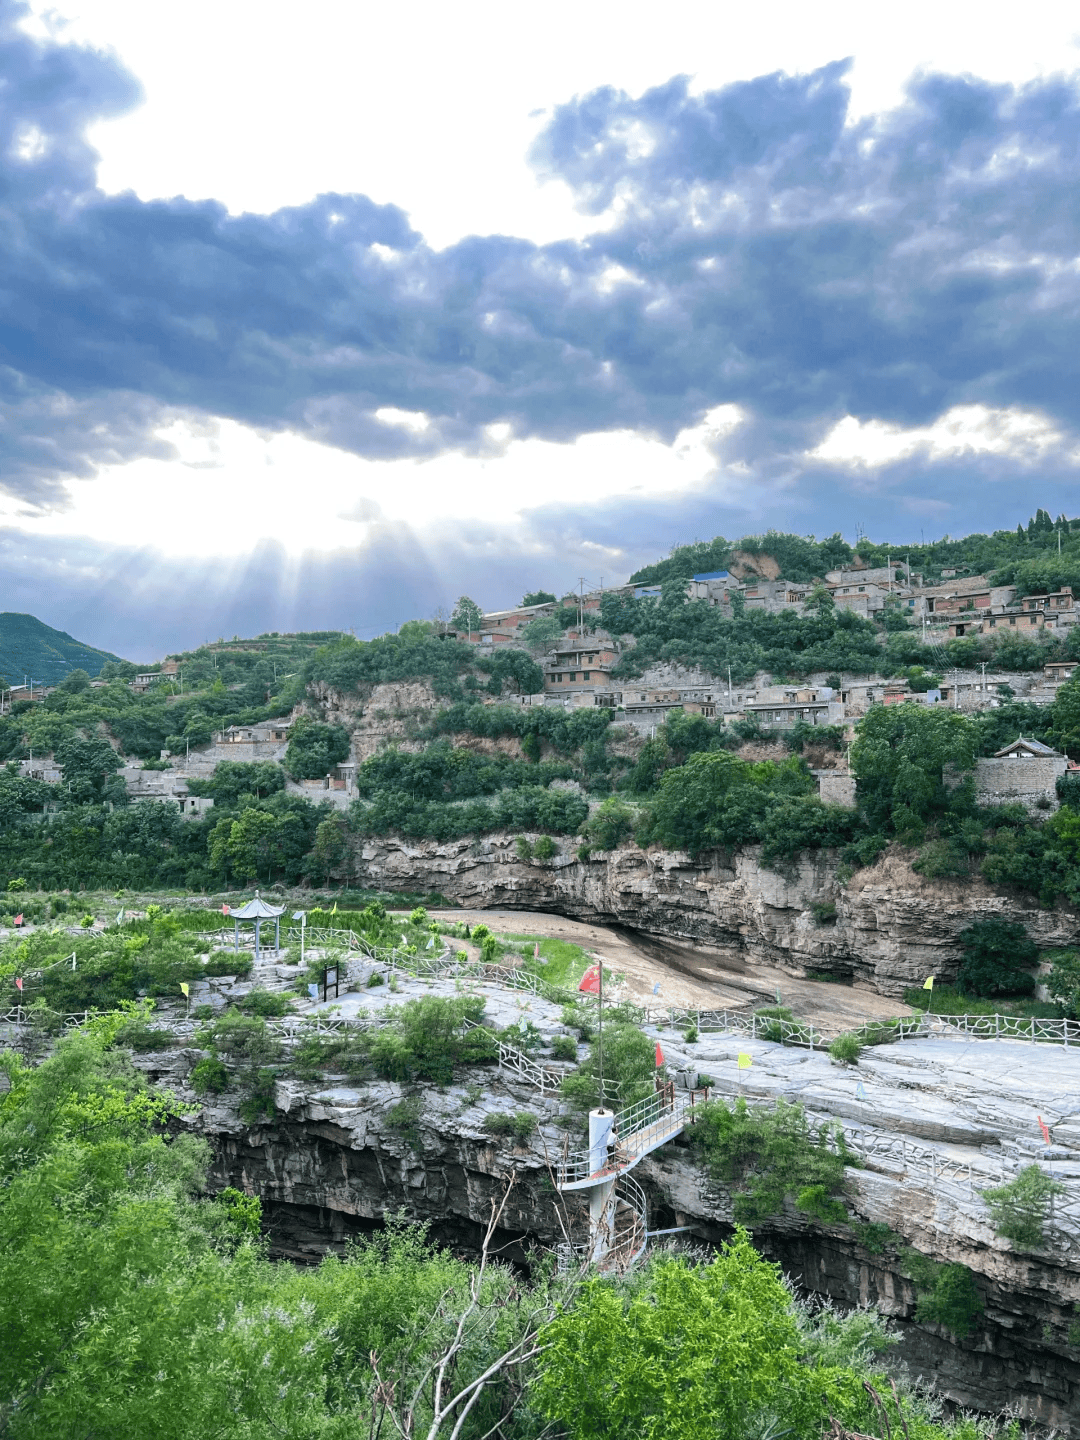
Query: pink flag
{"x": 18, "y": 981}
{"x": 225, "y": 910}
{"x": 590, "y": 981}
{"x": 1042, "y": 1127}
{"x": 536, "y": 950}
{"x": 659, "y": 1055}
{"x": 18, "y": 918}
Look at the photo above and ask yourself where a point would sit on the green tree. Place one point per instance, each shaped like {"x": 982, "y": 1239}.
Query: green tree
{"x": 1065, "y": 713}
{"x": 467, "y": 615}
{"x": 898, "y": 757}
{"x": 331, "y": 846}
{"x": 537, "y": 597}
{"x": 314, "y": 748}
{"x": 694, "y": 1351}
{"x": 75, "y": 682}
{"x": 995, "y": 954}
{"x": 89, "y": 764}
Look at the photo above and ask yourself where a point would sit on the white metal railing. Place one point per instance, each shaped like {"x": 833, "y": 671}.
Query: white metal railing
{"x": 758, "y": 1027}
{"x": 924, "y": 1026}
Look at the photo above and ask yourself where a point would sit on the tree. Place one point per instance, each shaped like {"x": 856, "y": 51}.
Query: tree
{"x": 1065, "y": 713}
{"x": 695, "y": 1350}
{"x": 898, "y": 757}
{"x": 314, "y": 748}
{"x": 994, "y": 953}
{"x": 542, "y": 632}
{"x": 331, "y": 846}
{"x": 537, "y": 597}
{"x": 467, "y": 615}
{"x": 88, "y": 765}
{"x": 75, "y": 682}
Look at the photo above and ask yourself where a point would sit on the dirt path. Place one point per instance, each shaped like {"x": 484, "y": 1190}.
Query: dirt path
{"x": 694, "y": 976}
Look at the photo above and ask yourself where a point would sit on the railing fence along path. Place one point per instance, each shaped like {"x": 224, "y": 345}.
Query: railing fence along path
{"x": 915, "y": 1027}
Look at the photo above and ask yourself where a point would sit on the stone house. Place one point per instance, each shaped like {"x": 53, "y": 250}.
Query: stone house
{"x": 1025, "y": 772}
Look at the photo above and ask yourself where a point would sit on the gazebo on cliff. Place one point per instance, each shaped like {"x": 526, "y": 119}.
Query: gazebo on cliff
{"x": 258, "y": 911}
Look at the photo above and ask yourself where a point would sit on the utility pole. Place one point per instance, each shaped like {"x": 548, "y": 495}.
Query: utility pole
{"x": 581, "y": 602}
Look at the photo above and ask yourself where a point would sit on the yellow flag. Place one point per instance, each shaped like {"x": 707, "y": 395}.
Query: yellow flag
{"x": 745, "y": 1062}
{"x": 184, "y": 987}
{"x": 928, "y": 983}
{"x": 334, "y": 910}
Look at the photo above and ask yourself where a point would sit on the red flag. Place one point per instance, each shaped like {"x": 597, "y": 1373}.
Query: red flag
{"x": 18, "y": 981}
{"x": 659, "y": 1055}
{"x": 590, "y": 981}
{"x": 225, "y": 910}
{"x": 1042, "y": 1127}
{"x": 18, "y": 918}
{"x": 536, "y": 950}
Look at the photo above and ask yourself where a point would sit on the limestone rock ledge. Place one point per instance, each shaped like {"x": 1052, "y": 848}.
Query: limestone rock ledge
{"x": 892, "y": 926}
{"x": 337, "y": 1159}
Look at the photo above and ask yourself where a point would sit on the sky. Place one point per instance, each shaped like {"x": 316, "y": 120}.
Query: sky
{"x": 321, "y": 316}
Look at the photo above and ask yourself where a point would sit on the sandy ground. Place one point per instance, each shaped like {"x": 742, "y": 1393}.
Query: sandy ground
{"x": 694, "y": 976}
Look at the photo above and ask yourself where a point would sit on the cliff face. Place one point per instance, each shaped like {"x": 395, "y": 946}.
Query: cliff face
{"x": 336, "y": 1160}
{"x": 892, "y": 926}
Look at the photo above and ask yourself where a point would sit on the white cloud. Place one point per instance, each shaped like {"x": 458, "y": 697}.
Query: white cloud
{"x": 228, "y": 487}
{"x": 1023, "y": 435}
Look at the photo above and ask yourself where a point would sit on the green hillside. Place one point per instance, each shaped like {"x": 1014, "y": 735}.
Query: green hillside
{"x": 31, "y": 649}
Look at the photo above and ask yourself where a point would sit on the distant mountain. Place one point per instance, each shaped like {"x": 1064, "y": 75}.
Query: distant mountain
{"x": 29, "y": 648}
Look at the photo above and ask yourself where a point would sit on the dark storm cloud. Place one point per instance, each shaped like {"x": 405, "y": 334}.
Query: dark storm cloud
{"x": 770, "y": 255}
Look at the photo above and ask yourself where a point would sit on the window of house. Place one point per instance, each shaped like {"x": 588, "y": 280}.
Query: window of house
{"x": 587, "y": 675}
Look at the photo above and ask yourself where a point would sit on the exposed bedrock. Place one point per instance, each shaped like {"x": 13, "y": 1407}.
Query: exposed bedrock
{"x": 337, "y": 1159}
{"x": 892, "y": 927}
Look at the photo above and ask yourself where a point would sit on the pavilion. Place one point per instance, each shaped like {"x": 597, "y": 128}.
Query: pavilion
{"x": 257, "y": 910}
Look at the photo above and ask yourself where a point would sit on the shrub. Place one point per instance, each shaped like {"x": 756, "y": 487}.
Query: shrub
{"x": 209, "y": 1076}
{"x": 690, "y": 1035}
{"x": 629, "y": 1063}
{"x": 947, "y": 1294}
{"x": 225, "y": 962}
{"x": 1020, "y": 1208}
{"x": 140, "y": 1036}
{"x": 994, "y": 952}
{"x": 609, "y": 824}
{"x": 824, "y": 912}
{"x": 376, "y": 978}
{"x": 404, "y": 1117}
{"x": 265, "y": 1002}
{"x": 764, "y": 1156}
{"x": 520, "y": 1125}
{"x": 545, "y": 848}
{"x": 846, "y": 1049}
{"x": 1063, "y": 982}
{"x": 258, "y": 1101}
{"x": 523, "y": 847}
{"x": 564, "y": 1047}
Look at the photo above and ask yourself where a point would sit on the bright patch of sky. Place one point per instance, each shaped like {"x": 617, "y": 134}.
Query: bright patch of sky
{"x": 432, "y": 107}
{"x": 311, "y": 497}
{"x": 963, "y": 430}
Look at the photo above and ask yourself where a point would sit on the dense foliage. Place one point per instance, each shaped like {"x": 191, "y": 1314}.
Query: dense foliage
{"x": 134, "y": 1306}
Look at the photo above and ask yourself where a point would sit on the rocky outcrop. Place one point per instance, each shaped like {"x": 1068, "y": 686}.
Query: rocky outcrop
{"x": 891, "y": 929}
{"x": 933, "y": 1121}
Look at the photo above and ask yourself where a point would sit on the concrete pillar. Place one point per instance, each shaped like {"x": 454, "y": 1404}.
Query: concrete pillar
{"x": 600, "y": 1123}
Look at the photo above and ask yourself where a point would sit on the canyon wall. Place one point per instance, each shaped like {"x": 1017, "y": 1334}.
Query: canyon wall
{"x": 891, "y": 929}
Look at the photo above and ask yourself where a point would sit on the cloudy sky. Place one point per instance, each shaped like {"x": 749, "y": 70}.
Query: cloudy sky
{"x": 318, "y": 316}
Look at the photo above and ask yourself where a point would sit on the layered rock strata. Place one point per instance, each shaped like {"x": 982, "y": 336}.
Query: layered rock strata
{"x": 891, "y": 929}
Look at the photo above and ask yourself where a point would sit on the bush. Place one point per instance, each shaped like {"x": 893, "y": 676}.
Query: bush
{"x": 765, "y": 1156}
{"x": 209, "y": 1076}
{"x": 994, "y": 952}
{"x": 824, "y": 912}
{"x": 1020, "y": 1209}
{"x": 846, "y": 1049}
{"x": 265, "y": 1002}
{"x": 629, "y": 1063}
{"x": 545, "y": 848}
{"x": 1063, "y": 982}
{"x": 609, "y": 824}
{"x": 138, "y": 1035}
{"x": 523, "y": 847}
{"x": 564, "y": 1047}
{"x": 947, "y": 1294}
{"x": 224, "y": 962}
{"x": 520, "y": 1125}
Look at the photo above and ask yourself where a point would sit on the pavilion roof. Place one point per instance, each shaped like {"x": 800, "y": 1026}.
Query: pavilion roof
{"x": 257, "y": 909}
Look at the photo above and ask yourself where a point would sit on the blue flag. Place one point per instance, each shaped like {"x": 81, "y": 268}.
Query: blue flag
{"x": 860, "y": 1091}
{"x": 313, "y": 991}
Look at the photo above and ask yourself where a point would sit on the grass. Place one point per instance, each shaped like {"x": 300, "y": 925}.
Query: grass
{"x": 565, "y": 963}
{"x": 945, "y": 1000}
